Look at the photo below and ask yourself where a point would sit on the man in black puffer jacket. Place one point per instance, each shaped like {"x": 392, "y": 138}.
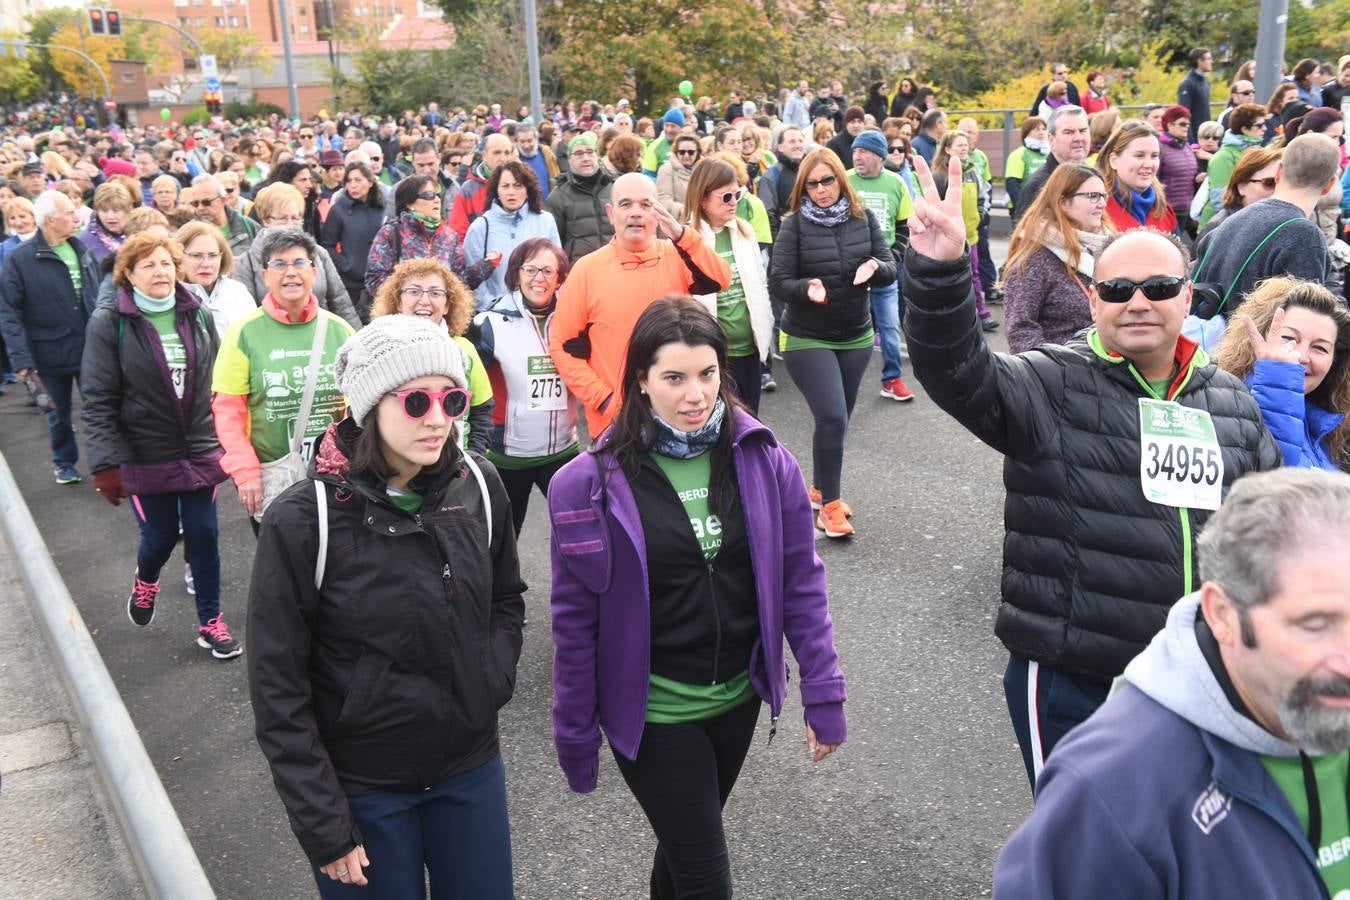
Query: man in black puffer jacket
{"x": 1091, "y": 564}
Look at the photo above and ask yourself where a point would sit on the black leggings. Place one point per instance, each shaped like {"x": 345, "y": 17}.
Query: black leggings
{"x": 829, "y": 381}
{"x": 519, "y": 483}
{"x": 681, "y": 778}
{"x": 745, "y": 380}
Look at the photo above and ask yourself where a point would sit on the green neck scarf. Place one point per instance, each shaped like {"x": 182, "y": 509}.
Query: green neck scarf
{"x": 147, "y": 304}
{"x": 431, "y": 222}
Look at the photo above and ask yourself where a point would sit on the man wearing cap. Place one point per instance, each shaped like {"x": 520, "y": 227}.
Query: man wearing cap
{"x": 34, "y": 179}
{"x": 842, "y": 143}
{"x": 658, "y": 151}
{"x": 885, "y": 194}
{"x": 579, "y": 199}
{"x": 607, "y": 290}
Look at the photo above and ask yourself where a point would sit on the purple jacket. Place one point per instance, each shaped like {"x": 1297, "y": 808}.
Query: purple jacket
{"x": 1177, "y": 166}
{"x": 601, "y": 609}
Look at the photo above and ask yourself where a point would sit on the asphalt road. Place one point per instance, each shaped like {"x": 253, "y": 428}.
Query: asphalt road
{"x": 915, "y": 805}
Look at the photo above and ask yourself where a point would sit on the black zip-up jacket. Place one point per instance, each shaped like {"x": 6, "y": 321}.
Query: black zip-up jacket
{"x": 390, "y": 678}
{"x": 805, "y": 250}
{"x": 132, "y": 415}
{"x": 705, "y": 615}
{"x": 1090, "y": 565}
{"x": 578, "y": 208}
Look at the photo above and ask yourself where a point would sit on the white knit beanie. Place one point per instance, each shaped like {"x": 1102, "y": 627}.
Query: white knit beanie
{"x": 389, "y": 352}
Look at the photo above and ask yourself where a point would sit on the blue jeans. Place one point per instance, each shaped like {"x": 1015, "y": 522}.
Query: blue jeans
{"x": 159, "y": 516}
{"x": 886, "y": 313}
{"x": 457, "y": 831}
{"x": 1045, "y": 704}
{"x": 65, "y": 452}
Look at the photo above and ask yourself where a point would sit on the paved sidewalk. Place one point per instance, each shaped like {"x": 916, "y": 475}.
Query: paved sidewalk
{"x": 59, "y": 836}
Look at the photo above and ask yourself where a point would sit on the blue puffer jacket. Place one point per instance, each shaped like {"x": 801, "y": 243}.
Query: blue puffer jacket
{"x": 1300, "y": 426}
{"x": 41, "y": 317}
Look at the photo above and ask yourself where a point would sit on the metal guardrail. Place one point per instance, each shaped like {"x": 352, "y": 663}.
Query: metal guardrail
{"x": 164, "y": 859}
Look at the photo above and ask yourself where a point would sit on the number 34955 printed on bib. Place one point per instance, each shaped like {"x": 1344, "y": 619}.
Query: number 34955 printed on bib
{"x": 1180, "y": 461}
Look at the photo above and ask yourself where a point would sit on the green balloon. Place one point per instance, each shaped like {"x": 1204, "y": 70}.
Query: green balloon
{"x": 686, "y": 87}
{"x": 164, "y": 113}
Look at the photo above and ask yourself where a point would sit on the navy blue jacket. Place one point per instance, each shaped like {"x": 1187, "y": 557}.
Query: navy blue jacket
{"x": 1162, "y": 794}
{"x": 41, "y": 318}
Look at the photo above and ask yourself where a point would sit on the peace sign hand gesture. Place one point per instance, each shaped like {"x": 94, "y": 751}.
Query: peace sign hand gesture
{"x": 936, "y": 229}
{"x": 1272, "y": 346}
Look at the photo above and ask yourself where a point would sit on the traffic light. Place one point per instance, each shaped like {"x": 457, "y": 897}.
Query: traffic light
{"x": 97, "y": 21}
{"x": 114, "y": 23}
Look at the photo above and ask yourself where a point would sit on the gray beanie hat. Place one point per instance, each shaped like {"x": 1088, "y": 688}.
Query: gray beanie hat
{"x": 390, "y": 351}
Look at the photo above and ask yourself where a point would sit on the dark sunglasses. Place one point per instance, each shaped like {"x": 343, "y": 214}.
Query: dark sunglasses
{"x": 1159, "y": 287}
{"x": 824, "y": 182}
{"x": 427, "y": 195}
{"x": 898, "y": 148}
{"x": 417, "y": 402}
{"x": 686, "y": 153}
{"x": 1267, "y": 183}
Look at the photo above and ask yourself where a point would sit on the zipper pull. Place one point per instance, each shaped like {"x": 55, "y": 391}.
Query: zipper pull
{"x": 446, "y": 573}
{"x": 773, "y": 729}
{"x": 417, "y": 519}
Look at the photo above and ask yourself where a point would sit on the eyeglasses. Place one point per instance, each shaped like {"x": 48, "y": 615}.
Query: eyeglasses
{"x": 281, "y": 265}
{"x": 417, "y": 293}
{"x": 428, "y": 195}
{"x": 533, "y": 272}
{"x": 1244, "y": 93}
{"x": 686, "y": 153}
{"x": 730, "y": 196}
{"x": 306, "y": 137}
{"x": 231, "y": 190}
{"x": 824, "y": 182}
{"x": 579, "y": 154}
{"x": 212, "y": 256}
{"x": 1159, "y": 287}
{"x": 198, "y": 204}
{"x": 898, "y": 148}
{"x": 1184, "y": 123}
{"x": 283, "y": 220}
{"x": 1267, "y": 183}
{"x": 416, "y": 402}
{"x": 630, "y": 265}
{"x": 1093, "y": 197}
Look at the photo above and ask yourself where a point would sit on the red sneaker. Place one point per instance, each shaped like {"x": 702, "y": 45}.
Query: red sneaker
{"x": 895, "y": 389}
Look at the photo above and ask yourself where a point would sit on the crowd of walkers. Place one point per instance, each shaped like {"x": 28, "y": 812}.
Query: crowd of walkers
{"x": 387, "y": 332}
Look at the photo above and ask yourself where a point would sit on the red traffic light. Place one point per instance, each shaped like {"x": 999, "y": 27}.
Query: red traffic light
{"x": 96, "y": 25}
{"x": 114, "y": 23}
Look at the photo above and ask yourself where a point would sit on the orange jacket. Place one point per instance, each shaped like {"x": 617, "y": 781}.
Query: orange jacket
{"x": 605, "y": 292}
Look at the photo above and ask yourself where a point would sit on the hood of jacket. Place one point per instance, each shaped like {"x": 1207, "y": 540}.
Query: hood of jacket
{"x": 497, "y": 215}
{"x": 1235, "y": 139}
{"x": 1173, "y": 671}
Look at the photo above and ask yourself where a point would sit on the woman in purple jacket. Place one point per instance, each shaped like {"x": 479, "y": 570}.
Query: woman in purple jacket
{"x": 673, "y": 651}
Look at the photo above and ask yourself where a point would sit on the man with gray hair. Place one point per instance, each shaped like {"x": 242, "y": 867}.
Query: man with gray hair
{"x": 1275, "y": 236}
{"x": 48, "y": 290}
{"x": 207, "y": 199}
{"x": 1218, "y": 766}
{"x": 1069, "y": 143}
{"x": 263, "y": 368}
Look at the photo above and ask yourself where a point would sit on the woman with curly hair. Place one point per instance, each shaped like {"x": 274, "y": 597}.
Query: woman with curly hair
{"x": 1291, "y": 343}
{"x": 624, "y": 155}
{"x": 426, "y": 288}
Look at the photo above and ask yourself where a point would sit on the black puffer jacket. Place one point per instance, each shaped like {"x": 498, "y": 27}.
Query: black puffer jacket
{"x": 578, "y": 208}
{"x": 132, "y": 415}
{"x": 390, "y": 678}
{"x": 1090, "y": 567}
{"x": 805, "y": 250}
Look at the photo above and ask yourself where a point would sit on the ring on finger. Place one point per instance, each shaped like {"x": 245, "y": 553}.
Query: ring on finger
{"x": 342, "y": 873}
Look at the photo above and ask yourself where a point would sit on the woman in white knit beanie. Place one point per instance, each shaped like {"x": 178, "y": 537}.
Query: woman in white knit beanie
{"x": 385, "y": 628}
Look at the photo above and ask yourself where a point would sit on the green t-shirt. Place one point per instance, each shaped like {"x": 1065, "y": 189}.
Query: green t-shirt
{"x": 67, "y": 254}
{"x": 265, "y": 361}
{"x": 886, "y": 195}
{"x": 690, "y": 479}
{"x": 788, "y": 342}
{"x": 175, "y": 354}
{"x": 1333, "y": 856}
{"x": 672, "y": 702}
{"x": 408, "y": 501}
{"x": 732, "y": 311}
